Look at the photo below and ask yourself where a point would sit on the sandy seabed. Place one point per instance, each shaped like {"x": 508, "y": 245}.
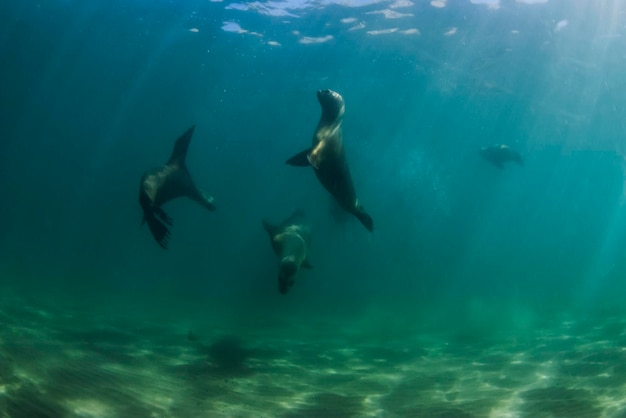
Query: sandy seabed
{"x": 60, "y": 363}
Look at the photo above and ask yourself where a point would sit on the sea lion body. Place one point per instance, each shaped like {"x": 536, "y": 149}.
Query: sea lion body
{"x": 290, "y": 241}
{"x": 328, "y": 159}
{"x": 160, "y": 185}
{"x": 500, "y": 154}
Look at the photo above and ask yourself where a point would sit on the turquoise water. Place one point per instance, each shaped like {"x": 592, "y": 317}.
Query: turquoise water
{"x": 481, "y": 292}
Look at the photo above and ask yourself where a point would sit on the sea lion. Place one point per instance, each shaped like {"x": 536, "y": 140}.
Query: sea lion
{"x": 160, "y": 185}
{"x": 500, "y": 154}
{"x": 290, "y": 241}
{"x": 328, "y": 159}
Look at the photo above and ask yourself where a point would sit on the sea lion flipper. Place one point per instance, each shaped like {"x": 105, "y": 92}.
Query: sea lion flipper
{"x": 365, "y": 219}
{"x": 297, "y": 217}
{"x": 271, "y": 229}
{"x": 159, "y": 231}
{"x": 208, "y": 201}
{"x": 163, "y": 217}
{"x": 306, "y": 264}
{"x": 301, "y": 159}
{"x": 180, "y": 148}
{"x": 298, "y": 213}
{"x": 202, "y": 198}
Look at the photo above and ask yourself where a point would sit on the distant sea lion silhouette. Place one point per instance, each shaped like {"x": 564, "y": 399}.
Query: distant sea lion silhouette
{"x": 290, "y": 241}
{"x": 500, "y": 154}
{"x": 328, "y": 159}
{"x": 160, "y": 185}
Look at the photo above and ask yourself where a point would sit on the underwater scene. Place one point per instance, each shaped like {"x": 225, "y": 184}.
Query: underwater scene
{"x": 313, "y": 208}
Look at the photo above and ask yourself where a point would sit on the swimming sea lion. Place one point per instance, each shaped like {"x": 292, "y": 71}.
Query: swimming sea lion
{"x": 165, "y": 183}
{"x": 290, "y": 242}
{"x": 500, "y": 154}
{"x": 328, "y": 159}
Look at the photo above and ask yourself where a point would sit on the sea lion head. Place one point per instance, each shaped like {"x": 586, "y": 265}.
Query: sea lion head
{"x": 287, "y": 274}
{"x": 332, "y": 104}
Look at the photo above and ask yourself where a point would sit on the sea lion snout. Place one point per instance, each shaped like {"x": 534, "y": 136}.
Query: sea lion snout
{"x": 323, "y": 92}
{"x": 332, "y": 104}
{"x": 329, "y": 96}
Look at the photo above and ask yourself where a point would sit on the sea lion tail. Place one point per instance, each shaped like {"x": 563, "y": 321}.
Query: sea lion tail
{"x": 365, "y": 219}
{"x": 158, "y": 228}
{"x": 180, "y": 148}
